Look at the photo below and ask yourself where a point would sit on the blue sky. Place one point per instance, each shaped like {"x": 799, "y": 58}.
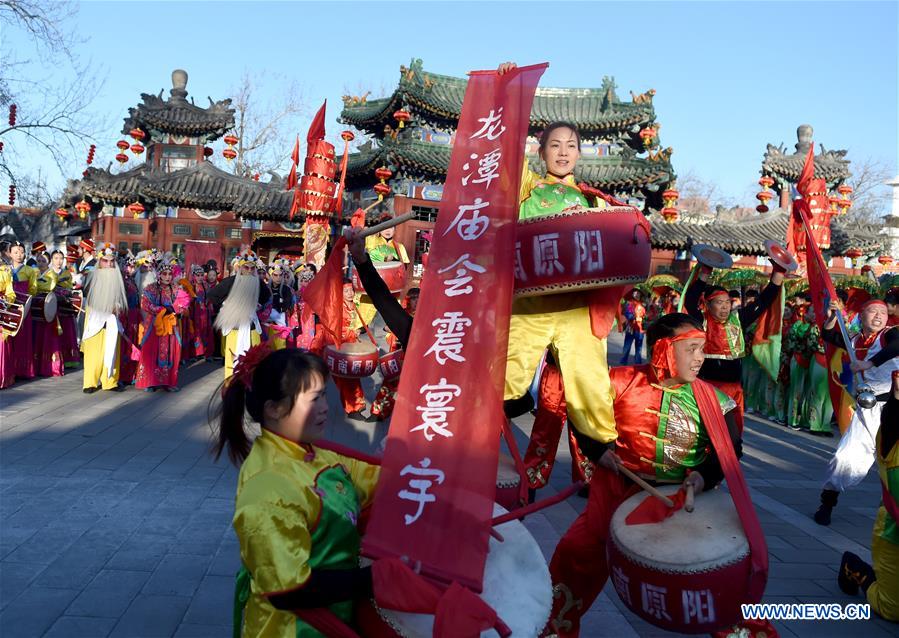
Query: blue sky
{"x": 730, "y": 76}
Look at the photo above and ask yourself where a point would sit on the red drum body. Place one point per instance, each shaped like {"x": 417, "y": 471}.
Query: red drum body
{"x": 68, "y": 304}
{"x": 12, "y": 315}
{"x": 44, "y": 307}
{"x": 392, "y": 272}
{"x": 352, "y": 360}
{"x": 581, "y": 249}
{"x": 688, "y": 573}
{"x": 508, "y": 482}
{"x": 391, "y": 364}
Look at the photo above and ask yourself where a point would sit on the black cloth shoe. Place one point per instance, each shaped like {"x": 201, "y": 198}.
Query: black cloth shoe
{"x": 90, "y": 390}
{"x": 373, "y": 418}
{"x": 355, "y": 416}
{"x": 854, "y": 574}
{"x": 118, "y": 388}
{"x": 828, "y": 502}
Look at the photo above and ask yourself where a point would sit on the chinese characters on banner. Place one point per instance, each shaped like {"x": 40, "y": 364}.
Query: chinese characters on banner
{"x": 434, "y": 500}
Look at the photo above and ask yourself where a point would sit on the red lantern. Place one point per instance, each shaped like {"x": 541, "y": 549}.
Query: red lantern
{"x": 402, "y": 117}
{"x": 845, "y": 205}
{"x": 764, "y": 197}
{"x": 884, "y": 260}
{"x": 137, "y": 134}
{"x": 845, "y": 190}
{"x": 669, "y": 214}
{"x": 383, "y": 173}
{"x": 766, "y": 182}
{"x": 137, "y": 148}
{"x": 229, "y": 154}
{"x": 230, "y": 140}
{"x": 1, "y": 147}
{"x": 207, "y": 152}
{"x": 347, "y": 136}
{"x": 62, "y": 213}
{"x": 647, "y": 136}
{"x": 121, "y": 158}
{"x": 854, "y": 253}
{"x": 670, "y": 197}
{"x": 83, "y": 208}
{"x": 136, "y": 209}
{"x": 123, "y": 145}
{"x": 866, "y": 268}
{"x": 382, "y": 190}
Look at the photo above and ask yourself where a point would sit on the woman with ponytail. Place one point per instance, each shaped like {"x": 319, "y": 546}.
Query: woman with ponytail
{"x": 297, "y": 504}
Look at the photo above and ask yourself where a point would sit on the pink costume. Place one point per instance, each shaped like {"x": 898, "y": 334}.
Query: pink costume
{"x": 24, "y": 280}
{"x": 160, "y": 346}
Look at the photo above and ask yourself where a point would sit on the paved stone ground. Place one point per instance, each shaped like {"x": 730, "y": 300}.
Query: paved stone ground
{"x": 114, "y": 520}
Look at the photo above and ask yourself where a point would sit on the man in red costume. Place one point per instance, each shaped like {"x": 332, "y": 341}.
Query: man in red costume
{"x": 725, "y": 346}
{"x": 649, "y": 399}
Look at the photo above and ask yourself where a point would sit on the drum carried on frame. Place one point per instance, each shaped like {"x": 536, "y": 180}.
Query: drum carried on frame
{"x": 13, "y": 314}
{"x": 44, "y": 307}
{"x": 352, "y": 360}
{"x": 688, "y": 573}
{"x": 69, "y": 303}
{"x": 391, "y": 364}
{"x": 581, "y": 249}
{"x": 392, "y": 272}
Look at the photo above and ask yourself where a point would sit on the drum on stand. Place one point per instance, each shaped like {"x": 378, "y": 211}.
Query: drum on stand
{"x": 44, "y": 307}
{"x": 391, "y": 364}
{"x": 688, "y": 573}
{"x": 392, "y": 272}
{"x": 581, "y": 249}
{"x": 517, "y": 586}
{"x": 352, "y": 360}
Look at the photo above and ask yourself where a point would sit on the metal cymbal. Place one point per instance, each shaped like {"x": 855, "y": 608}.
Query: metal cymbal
{"x": 780, "y": 255}
{"x": 712, "y": 257}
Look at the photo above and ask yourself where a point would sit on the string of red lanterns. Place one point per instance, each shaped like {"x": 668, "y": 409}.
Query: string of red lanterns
{"x": 231, "y": 140}
{"x": 123, "y": 146}
{"x": 382, "y": 188}
{"x": 669, "y": 197}
{"x": 765, "y": 195}
{"x": 12, "y": 194}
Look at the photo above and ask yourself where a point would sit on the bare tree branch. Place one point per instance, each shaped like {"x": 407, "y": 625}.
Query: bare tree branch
{"x": 870, "y": 197}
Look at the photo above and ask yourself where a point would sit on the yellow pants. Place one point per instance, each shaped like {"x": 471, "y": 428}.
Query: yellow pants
{"x": 275, "y": 342}
{"x": 883, "y": 594}
{"x": 563, "y": 321}
{"x": 229, "y": 347}
{"x": 94, "y": 371}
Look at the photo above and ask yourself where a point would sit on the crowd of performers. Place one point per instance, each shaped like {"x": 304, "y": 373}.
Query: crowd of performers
{"x": 676, "y": 419}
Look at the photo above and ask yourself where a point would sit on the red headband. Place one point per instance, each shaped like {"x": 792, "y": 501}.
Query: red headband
{"x": 873, "y": 302}
{"x": 663, "y": 363}
{"x": 716, "y": 294}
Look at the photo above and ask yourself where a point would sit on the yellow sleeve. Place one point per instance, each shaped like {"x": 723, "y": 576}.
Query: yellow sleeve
{"x": 272, "y": 522}
{"x": 404, "y": 257}
{"x": 64, "y": 280}
{"x": 32, "y": 281}
{"x": 46, "y": 282}
{"x": 372, "y": 242}
{"x": 6, "y": 287}
{"x": 529, "y": 180}
{"x": 364, "y": 477}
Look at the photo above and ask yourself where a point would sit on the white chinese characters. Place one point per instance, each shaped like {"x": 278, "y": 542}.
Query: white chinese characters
{"x": 421, "y": 486}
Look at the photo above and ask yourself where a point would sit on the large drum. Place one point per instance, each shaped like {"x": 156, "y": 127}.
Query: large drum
{"x": 581, "y": 249}
{"x": 516, "y": 584}
{"x": 391, "y": 364}
{"x": 68, "y": 303}
{"x": 688, "y": 573}
{"x": 12, "y": 315}
{"x": 508, "y": 483}
{"x": 352, "y": 360}
{"x": 44, "y": 307}
{"x": 392, "y": 272}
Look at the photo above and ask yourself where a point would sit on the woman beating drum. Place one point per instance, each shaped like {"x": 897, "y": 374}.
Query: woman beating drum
{"x": 670, "y": 430}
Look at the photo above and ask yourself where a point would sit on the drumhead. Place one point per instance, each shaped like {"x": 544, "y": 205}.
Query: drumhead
{"x": 50, "y": 307}
{"x": 516, "y": 584}
{"x": 506, "y": 474}
{"x": 358, "y": 347}
{"x": 709, "y": 537}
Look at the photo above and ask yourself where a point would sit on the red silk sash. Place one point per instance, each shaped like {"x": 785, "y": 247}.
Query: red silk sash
{"x": 434, "y": 500}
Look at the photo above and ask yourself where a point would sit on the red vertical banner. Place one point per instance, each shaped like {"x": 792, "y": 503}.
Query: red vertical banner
{"x": 434, "y": 500}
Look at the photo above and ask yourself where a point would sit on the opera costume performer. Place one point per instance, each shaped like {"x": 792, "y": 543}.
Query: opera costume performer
{"x": 106, "y": 303}
{"x": 162, "y": 305}
{"x": 242, "y": 304}
{"x": 24, "y": 281}
{"x": 662, "y": 425}
{"x": 877, "y": 357}
{"x": 7, "y": 296}
{"x": 280, "y": 278}
{"x": 132, "y": 321}
{"x": 65, "y": 285}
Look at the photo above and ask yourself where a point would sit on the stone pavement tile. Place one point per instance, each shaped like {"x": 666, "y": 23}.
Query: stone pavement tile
{"x": 187, "y": 630}
{"x": 793, "y": 587}
{"x": 206, "y": 607}
{"x": 151, "y": 616}
{"x": 109, "y": 594}
{"x": 33, "y": 611}
{"x": 43, "y": 547}
{"x": 226, "y": 561}
{"x": 80, "y": 627}
{"x": 606, "y": 623}
{"x": 140, "y": 553}
{"x": 794, "y": 555}
{"x": 177, "y": 575}
{"x": 14, "y": 577}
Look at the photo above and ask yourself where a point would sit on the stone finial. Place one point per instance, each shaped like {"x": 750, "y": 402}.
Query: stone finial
{"x": 179, "y": 84}
{"x": 804, "y": 135}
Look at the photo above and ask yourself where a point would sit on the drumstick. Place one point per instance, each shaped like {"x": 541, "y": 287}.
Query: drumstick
{"x": 646, "y": 486}
{"x": 390, "y": 223}
{"x": 688, "y": 500}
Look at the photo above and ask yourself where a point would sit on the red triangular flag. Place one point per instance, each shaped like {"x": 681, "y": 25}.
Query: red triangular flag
{"x": 808, "y": 171}
{"x": 358, "y": 219}
{"x": 294, "y": 205}
{"x": 291, "y": 182}
{"x": 295, "y": 156}
{"x": 324, "y": 294}
{"x": 317, "y": 128}
{"x": 652, "y": 510}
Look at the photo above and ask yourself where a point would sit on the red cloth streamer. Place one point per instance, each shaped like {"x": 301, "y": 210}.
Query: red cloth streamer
{"x": 652, "y": 510}
{"x": 663, "y": 363}
{"x": 295, "y": 155}
{"x": 324, "y": 294}
{"x": 434, "y": 500}
{"x": 713, "y": 419}
{"x": 358, "y": 219}
{"x": 461, "y": 614}
{"x": 316, "y": 129}
{"x": 291, "y": 182}
{"x": 338, "y": 204}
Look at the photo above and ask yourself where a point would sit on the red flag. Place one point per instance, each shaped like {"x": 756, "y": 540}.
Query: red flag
{"x": 294, "y": 205}
{"x": 358, "y": 219}
{"x": 295, "y": 156}
{"x": 434, "y": 500}
{"x": 324, "y": 294}
{"x": 808, "y": 171}
{"x": 652, "y": 510}
{"x": 317, "y": 128}
{"x": 339, "y": 197}
{"x": 291, "y": 179}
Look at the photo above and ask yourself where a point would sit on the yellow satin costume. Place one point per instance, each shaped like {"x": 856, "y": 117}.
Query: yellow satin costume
{"x": 883, "y": 594}
{"x": 376, "y": 246}
{"x": 563, "y": 322}
{"x": 297, "y": 508}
